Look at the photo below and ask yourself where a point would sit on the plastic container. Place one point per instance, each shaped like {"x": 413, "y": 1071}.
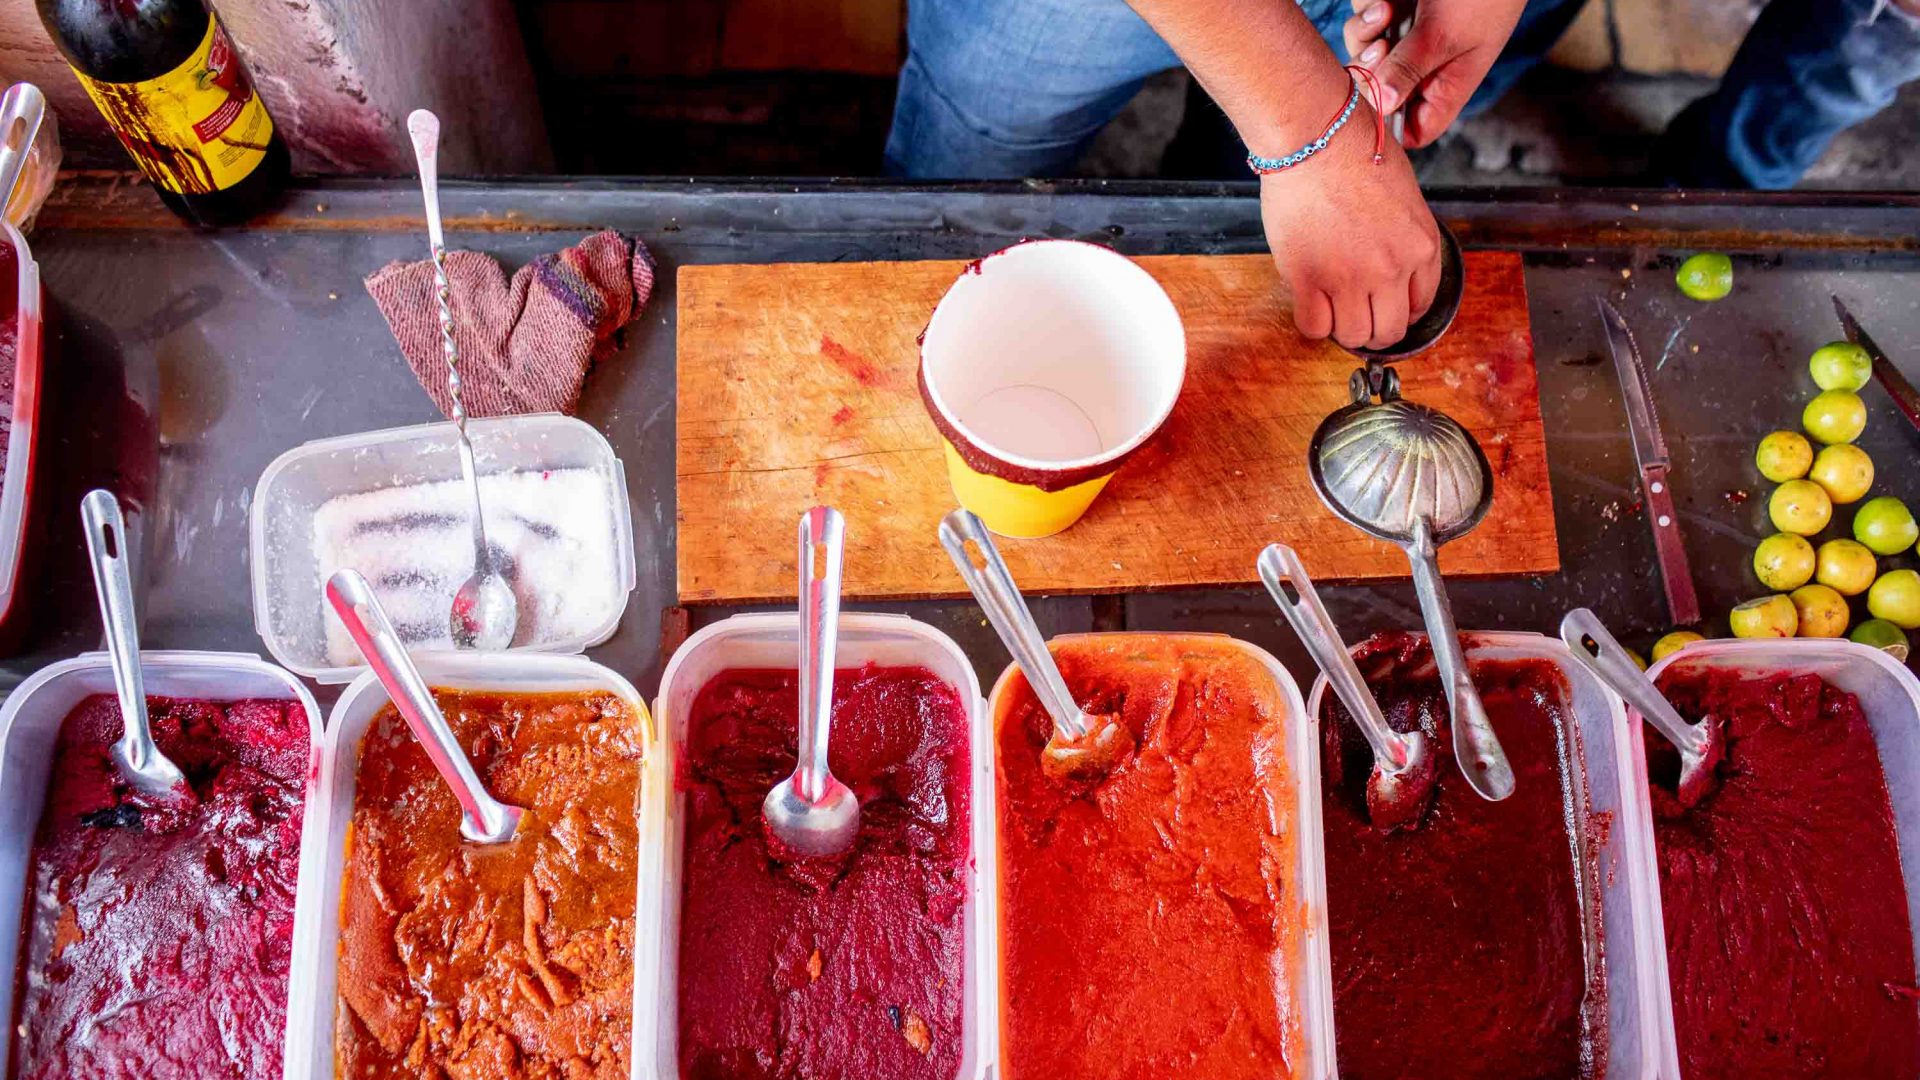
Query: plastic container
{"x": 288, "y": 607}
{"x": 323, "y": 846}
{"x": 30, "y": 724}
{"x": 1890, "y": 696}
{"x": 1611, "y": 783}
{"x": 16, "y": 481}
{"x": 772, "y": 641}
{"x": 1313, "y": 975}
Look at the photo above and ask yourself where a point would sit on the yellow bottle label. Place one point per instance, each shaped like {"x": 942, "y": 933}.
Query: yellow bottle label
{"x": 198, "y": 128}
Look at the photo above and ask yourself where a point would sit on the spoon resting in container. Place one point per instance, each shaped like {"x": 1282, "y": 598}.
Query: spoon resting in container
{"x": 1404, "y": 769}
{"x": 1701, "y": 745}
{"x": 483, "y": 819}
{"x": 140, "y": 763}
{"x": 1084, "y": 747}
{"x": 810, "y": 813}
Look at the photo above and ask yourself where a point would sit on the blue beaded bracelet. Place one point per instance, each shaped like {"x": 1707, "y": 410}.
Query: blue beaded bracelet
{"x": 1266, "y": 165}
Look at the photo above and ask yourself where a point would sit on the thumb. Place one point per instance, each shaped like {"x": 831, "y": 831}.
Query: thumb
{"x": 1405, "y": 67}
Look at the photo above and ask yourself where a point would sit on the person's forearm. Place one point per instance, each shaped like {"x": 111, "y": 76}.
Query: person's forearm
{"x": 1263, "y": 63}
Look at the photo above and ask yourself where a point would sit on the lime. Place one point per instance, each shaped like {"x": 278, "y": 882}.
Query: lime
{"x": 1885, "y": 525}
{"x": 1835, "y": 416}
{"x": 1841, "y": 365}
{"x": 1783, "y": 561}
{"x": 1822, "y": 612}
{"x": 1845, "y": 566}
{"x": 1845, "y": 471}
{"x": 1638, "y": 660}
{"x": 1881, "y": 634}
{"x": 1768, "y": 616}
{"x": 1800, "y": 506}
{"x": 1678, "y": 640}
{"x": 1896, "y": 598}
{"x": 1783, "y": 456}
{"x": 1706, "y": 276}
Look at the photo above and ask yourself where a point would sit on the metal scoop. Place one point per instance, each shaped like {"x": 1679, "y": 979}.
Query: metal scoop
{"x": 483, "y": 819}
{"x": 485, "y": 613}
{"x": 22, "y": 110}
{"x": 1701, "y": 745}
{"x": 148, "y": 771}
{"x": 1412, "y": 475}
{"x": 1084, "y": 746}
{"x": 811, "y": 813}
{"x": 1404, "y": 770}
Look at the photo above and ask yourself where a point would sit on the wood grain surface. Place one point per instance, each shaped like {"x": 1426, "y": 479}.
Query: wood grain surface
{"x": 797, "y": 387}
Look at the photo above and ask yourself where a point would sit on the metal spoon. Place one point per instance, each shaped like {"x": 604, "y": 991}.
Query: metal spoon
{"x": 21, "y": 112}
{"x": 1084, "y": 746}
{"x": 1412, "y": 475}
{"x": 140, "y": 762}
{"x": 483, "y": 819}
{"x": 485, "y": 613}
{"x": 810, "y": 812}
{"x": 1404, "y": 771}
{"x": 1701, "y": 745}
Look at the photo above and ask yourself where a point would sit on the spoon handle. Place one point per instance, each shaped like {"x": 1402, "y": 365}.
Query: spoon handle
{"x": 483, "y": 819}
{"x": 107, "y": 545}
{"x": 999, "y": 597}
{"x": 1476, "y": 749}
{"x": 21, "y": 112}
{"x": 1598, "y": 652}
{"x": 822, "y": 536}
{"x": 1279, "y": 567}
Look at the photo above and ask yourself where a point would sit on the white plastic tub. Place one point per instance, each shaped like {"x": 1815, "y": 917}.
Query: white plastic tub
{"x": 323, "y": 845}
{"x": 1889, "y": 695}
{"x": 288, "y": 609}
{"x": 1611, "y": 784}
{"x": 1312, "y": 976}
{"x": 30, "y": 725}
{"x": 772, "y": 641}
{"x": 16, "y": 481}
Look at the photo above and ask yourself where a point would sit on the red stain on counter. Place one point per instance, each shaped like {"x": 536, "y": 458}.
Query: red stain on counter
{"x": 856, "y": 366}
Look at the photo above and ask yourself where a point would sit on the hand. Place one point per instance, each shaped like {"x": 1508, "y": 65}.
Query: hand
{"x": 1441, "y": 60}
{"x": 1354, "y": 241}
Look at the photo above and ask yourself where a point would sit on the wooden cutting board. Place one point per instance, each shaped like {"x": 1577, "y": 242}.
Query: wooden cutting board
{"x": 797, "y": 387}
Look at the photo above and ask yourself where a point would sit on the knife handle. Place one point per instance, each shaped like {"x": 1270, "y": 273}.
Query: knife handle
{"x": 1682, "y": 603}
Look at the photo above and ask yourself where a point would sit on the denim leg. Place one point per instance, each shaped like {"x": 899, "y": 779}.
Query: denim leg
{"x": 1808, "y": 70}
{"x": 996, "y": 89}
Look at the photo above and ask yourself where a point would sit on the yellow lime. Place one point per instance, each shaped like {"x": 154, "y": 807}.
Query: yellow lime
{"x": 1783, "y": 456}
{"x": 1845, "y": 471}
{"x": 1678, "y": 640}
{"x": 1638, "y": 660}
{"x": 1885, "y": 525}
{"x": 1800, "y": 506}
{"x": 1706, "y": 276}
{"x": 1840, "y": 365}
{"x": 1767, "y": 616}
{"x": 1896, "y": 598}
{"x": 1835, "y": 416}
{"x": 1845, "y": 566}
{"x": 1822, "y": 612}
{"x": 1783, "y": 561}
{"x": 1881, "y": 634}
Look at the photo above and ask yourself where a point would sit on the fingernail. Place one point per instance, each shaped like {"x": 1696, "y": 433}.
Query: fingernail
{"x": 1389, "y": 99}
{"x": 1374, "y": 52}
{"x": 1375, "y": 14}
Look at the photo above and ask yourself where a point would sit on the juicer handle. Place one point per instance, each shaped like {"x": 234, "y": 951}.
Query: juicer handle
{"x": 1476, "y": 749}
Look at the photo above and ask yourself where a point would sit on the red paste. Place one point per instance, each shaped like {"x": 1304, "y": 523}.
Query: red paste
{"x": 1789, "y": 949}
{"x": 9, "y": 342}
{"x": 1148, "y": 923}
{"x": 1458, "y": 946}
{"x": 853, "y": 968}
{"x": 157, "y": 942}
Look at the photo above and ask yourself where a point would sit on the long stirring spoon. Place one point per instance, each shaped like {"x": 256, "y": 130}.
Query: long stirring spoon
{"x": 485, "y": 613}
{"x": 1403, "y": 764}
{"x": 22, "y": 110}
{"x": 1701, "y": 745}
{"x": 151, "y": 773}
{"x": 1084, "y": 747}
{"x": 483, "y": 818}
{"x": 811, "y": 813}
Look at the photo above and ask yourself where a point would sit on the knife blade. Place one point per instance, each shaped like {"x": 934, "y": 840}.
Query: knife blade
{"x": 1650, "y": 453}
{"x": 1896, "y": 384}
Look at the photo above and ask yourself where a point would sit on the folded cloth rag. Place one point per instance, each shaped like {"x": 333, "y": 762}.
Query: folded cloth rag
{"x": 524, "y": 345}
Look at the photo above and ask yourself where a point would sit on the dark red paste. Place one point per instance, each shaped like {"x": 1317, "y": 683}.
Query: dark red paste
{"x": 1789, "y": 949}
{"x": 1459, "y": 946}
{"x": 852, "y": 969}
{"x": 157, "y": 942}
{"x": 9, "y": 341}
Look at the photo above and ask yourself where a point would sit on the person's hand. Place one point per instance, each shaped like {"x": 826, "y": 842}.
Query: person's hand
{"x": 1440, "y": 61}
{"x": 1354, "y": 241}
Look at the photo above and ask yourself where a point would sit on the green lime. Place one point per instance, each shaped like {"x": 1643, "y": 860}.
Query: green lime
{"x": 1822, "y": 612}
{"x": 1835, "y": 416}
{"x": 1800, "y": 506}
{"x": 1896, "y": 598}
{"x": 1678, "y": 640}
{"x": 1845, "y": 471}
{"x": 1881, "y": 634}
{"x": 1846, "y": 566}
{"x": 1767, "y": 616}
{"x": 1885, "y": 525}
{"x": 1706, "y": 276}
{"x": 1841, "y": 365}
{"x": 1783, "y": 561}
{"x": 1783, "y": 456}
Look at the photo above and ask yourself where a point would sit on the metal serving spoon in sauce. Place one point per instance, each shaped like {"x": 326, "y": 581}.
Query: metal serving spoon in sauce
{"x": 1084, "y": 746}
{"x": 485, "y": 613}
{"x": 811, "y": 813}
{"x": 483, "y": 819}
{"x": 1701, "y": 745}
{"x": 1404, "y": 769}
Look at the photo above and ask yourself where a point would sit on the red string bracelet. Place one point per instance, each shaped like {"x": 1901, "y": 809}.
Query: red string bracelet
{"x": 1266, "y": 166}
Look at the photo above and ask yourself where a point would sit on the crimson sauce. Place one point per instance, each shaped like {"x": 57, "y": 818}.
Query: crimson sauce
{"x": 9, "y": 341}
